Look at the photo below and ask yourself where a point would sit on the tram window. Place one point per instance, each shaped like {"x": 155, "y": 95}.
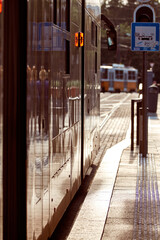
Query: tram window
{"x": 93, "y": 34}
{"x": 95, "y": 62}
{"x": 55, "y": 11}
{"x": 119, "y": 74}
{"x": 131, "y": 75}
{"x": 67, "y": 15}
{"x": 59, "y": 11}
{"x": 67, "y": 58}
{"x": 104, "y": 73}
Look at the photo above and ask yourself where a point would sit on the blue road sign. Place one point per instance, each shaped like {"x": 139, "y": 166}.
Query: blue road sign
{"x": 145, "y": 36}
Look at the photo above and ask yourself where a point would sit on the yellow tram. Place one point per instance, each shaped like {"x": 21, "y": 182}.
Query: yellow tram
{"x": 118, "y": 78}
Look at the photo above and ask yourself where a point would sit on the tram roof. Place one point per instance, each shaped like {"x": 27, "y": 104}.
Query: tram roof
{"x": 118, "y": 66}
{"x": 105, "y": 66}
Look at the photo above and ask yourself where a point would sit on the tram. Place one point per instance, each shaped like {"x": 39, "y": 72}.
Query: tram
{"x": 118, "y": 78}
{"x": 49, "y": 110}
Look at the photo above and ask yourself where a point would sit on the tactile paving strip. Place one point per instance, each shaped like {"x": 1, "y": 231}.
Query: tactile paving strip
{"x": 147, "y": 202}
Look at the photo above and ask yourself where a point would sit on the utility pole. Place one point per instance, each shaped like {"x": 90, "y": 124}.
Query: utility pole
{"x": 144, "y": 107}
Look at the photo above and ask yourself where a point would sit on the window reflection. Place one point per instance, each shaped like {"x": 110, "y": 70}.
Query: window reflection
{"x": 48, "y": 108}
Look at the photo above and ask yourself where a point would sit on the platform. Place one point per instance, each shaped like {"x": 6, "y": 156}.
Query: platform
{"x": 122, "y": 201}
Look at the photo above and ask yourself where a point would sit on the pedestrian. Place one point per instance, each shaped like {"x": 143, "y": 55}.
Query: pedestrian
{"x": 29, "y": 77}
{"x": 34, "y": 73}
{"x": 42, "y": 73}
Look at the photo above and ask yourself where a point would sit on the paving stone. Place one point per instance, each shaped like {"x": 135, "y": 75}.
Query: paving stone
{"x": 119, "y": 231}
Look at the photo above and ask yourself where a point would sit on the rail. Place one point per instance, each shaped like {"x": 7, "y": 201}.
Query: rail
{"x": 139, "y": 103}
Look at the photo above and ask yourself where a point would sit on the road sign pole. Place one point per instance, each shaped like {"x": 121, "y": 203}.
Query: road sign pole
{"x": 145, "y": 37}
{"x": 144, "y": 107}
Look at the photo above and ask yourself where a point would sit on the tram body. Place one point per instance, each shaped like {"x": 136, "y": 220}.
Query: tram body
{"x": 51, "y": 113}
{"x": 118, "y": 78}
{"x": 61, "y": 146}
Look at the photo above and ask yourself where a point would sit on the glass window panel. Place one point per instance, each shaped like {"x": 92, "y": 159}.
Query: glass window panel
{"x": 131, "y": 75}
{"x": 96, "y": 39}
{"x": 95, "y": 62}
{"x": 48, "y": 111}
{"x": 59, "y": 15}
{"x": 119, "y": 74}
{"x": 65, "y": 14}
{"x": 38, "y": 117}
{"x": 92, "y": 33}
{"x": 104, "y": 73}
{"x": 67, "y": 58}
{"x": 55, "y": 11}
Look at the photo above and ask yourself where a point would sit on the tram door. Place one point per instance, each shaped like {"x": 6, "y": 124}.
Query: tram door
{"x": 111, "y": 81}
{"x": 125, "y": 81}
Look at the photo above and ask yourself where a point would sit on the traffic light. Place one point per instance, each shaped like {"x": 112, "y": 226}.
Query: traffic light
{"x": 112, "y": 39}
{"x": 144, "y": 13}
{"x": 111, "y": 33}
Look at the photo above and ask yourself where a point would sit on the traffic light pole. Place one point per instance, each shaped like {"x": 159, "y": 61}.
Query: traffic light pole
{"x": 144, "y": 107}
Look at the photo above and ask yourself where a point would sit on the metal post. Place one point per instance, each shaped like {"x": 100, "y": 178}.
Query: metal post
{"x": 132, "y": 124}
{"x": 138, "y": 106}
{"x": 144, "y": 108}
{"x": 140, "y": 130}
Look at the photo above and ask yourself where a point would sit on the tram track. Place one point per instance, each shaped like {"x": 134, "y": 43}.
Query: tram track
{"x": 111, "y": 95}
{"x": 114, "y": 126}
{"x": 115, "y": 107}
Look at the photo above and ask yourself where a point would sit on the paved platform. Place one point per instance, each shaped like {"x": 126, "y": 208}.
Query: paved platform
{"x": 122, "y": 201}
{"x": 134, "y": 211}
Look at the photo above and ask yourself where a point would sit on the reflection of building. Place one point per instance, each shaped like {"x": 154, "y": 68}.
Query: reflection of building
{"x": 93, "y": 7}
{"x": 45, "y": 37}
